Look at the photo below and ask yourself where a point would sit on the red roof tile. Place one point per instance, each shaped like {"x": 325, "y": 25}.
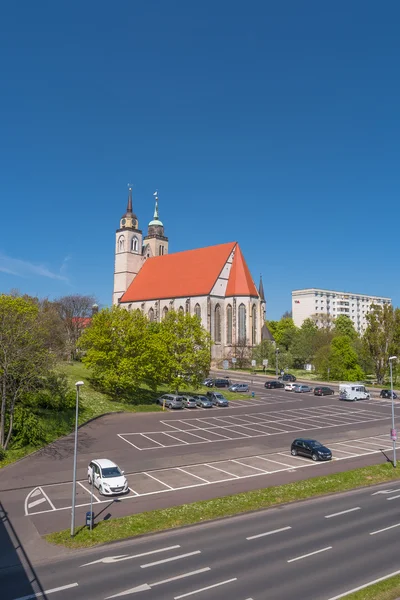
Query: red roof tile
{"x": 240, "y": 281}
{"x": 189, "y": 273}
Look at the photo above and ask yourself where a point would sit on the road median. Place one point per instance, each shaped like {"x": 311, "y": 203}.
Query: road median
{"x": 227, "y": 506}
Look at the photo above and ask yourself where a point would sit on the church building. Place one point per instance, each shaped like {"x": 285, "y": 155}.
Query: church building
{"x": 213, "y": 283}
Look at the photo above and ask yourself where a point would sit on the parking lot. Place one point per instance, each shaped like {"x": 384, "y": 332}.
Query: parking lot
{"x": 57, "y": 497}
{"x": 213, "y": 428}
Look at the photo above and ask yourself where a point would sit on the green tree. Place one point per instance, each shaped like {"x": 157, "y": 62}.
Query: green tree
{"x": 339, "y": 360}
{"x": 74, "y": 312}
{"x": 283, "y": 331}
{"x": 343, "y": 325}
{"x": 304, "y": 343}
{"x": 188, "y": 350}
{"x": 24, "y": 357}
{"x": 382, "y": 337}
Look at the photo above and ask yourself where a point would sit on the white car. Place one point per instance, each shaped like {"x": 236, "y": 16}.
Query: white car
{"x": 107, "y": 477}
{"x": 289, "y": 386}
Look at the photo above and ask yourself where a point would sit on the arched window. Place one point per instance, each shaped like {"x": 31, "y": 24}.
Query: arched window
{"x": 197, "y": 311}
{"x": 229, "y": 324}
{"x": 242, "y": 324}
{"x": 150, "y": 314}
{"x": 121, "y": 243}
{"x": 254, "y": 325}
{"x": 217, "y": 324}
{"x": 134, "y": 244}
{"x": 161, "y": 250}
{"x": 129, "y": 306}
{"x": 181, "y": 310}
{"x": 165, "y": 312}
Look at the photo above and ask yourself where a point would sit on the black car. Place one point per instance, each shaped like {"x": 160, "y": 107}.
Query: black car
{"x": 273, "y": 384}
{"x": 287, "y": 377}
{"x": 311, "y": 449}
{"x": 388, "y": 394}
{"x": 208, "y": 382}
{"x": 322, "y": 390}
{"x": 222, "y": 383}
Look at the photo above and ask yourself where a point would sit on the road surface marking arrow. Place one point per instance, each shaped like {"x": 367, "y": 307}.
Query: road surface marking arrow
{"x": 113, "y": 559}
{"x": 148, "y": 586}
{"x": 385, "y": 492}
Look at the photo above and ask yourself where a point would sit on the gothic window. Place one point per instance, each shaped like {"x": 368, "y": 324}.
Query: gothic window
{"x": 165, "y": 312}
{"x": 229, "y": 324}
{"x": 181, "y": 310}
{"x": 242, "y": 324}
{"x": 134, "y": 244}
{"x": 197, "y": 311}
{"x": 129, "y": 306}
{"x": 217, "y": 324}
{"x": 121, "y": 244}
{"x": 161, "y": 250}
{"x": 150, "y": 314}
{"x": 254, "y": 325}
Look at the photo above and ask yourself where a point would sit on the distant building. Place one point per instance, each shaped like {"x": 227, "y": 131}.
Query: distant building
{"x": 213, "y": 283}
{"x": 326, "y": 305}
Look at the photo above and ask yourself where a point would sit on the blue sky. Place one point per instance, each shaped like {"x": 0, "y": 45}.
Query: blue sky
{"x": 276, "y": 124}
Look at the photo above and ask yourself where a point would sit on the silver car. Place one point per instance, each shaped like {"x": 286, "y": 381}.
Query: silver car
{"x": 300, "y": 388}
{"x": 170, "y": 401}
{"x": 189, "y": 402}
{"x": 239, "y": 387}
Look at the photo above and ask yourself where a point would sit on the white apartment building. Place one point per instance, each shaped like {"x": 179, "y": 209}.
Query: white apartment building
{"x": 326, "y": 305}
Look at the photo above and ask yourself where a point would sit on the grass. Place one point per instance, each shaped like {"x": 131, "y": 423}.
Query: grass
{"x": 384, "y": 590}
{"x": 207, "y": 510}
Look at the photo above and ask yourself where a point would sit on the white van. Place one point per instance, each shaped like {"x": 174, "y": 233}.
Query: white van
{"x": 353, "y": 392}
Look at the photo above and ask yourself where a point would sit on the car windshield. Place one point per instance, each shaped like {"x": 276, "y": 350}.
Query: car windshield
{"x": 111, "y": 472}
{"x": 315, "y": 444}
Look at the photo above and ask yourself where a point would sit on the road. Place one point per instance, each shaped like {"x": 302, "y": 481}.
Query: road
{"x": 315, "y": 549}
{"x": 178, "y": 457}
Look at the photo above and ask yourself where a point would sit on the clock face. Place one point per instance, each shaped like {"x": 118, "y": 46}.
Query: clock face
{"x": 123, "y": 221}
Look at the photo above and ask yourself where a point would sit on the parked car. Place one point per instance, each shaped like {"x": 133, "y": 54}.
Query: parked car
{"x": 388, "y": 394}
{"x": 273, "y": 384}
{"x": 352, "y": 392}
{"x": 171, "y": 401}
{"x": 203, "y": 401}
{"x": 300, "y": 388}
{"x": 217, "y": 399}
{"x": 287, "y": 377}
{"x": 311, "y": 448}
{"x": 289, "y": 387}
{"x": 322, "y": 390}
{"x": 189, "y": 402}
{"x": 239, "y": 387}
{"x": 222, "y": 383}
{"x": 208, "y": 382}
{"x": 107, "y": 477}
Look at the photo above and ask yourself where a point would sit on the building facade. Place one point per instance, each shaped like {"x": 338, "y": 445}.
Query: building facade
{"x": 213, "y": 283}
{"x": 324, "y": 306}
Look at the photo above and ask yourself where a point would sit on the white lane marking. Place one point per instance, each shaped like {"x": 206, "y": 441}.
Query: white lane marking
{"x": 148, "y": 586}
{"x": 35, "y": 492}
{"x": 385, "y": 529}
{"x": 343, "y": 512}
{"x": 393, "y": 498}
{"x": 165, "y": 560}
{"x": 385, "y": 492}
{"x": 36, "y": 502}
{"x": 47, "y": 498}
{"x": 192, "y": 475}
{"x": 362, "y": 587}
{"x": 154, "y": 441}
{"x": 159, "y": 480}
{"x": 232, "y": 475}
{"x": 127, "y": 441}
{"x": 204, "y": 589}
{"x": 88, "y": 491}
{"x": 175, "y": 438}
{"x": 309, "y": 554}
{"x": 254, "y": 537}
{"x": 248, "y": 466}
{"x": 46, "y": 592}
{"x": 118, "y": 558}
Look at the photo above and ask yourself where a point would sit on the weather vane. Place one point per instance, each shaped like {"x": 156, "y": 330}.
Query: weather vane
{"x": 156, "y": 194}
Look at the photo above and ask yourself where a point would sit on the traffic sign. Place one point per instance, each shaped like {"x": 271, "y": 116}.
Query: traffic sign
{"x": 226, "y": 364}
{"x": 393, "y": 435}
{"x": 265, "y": 362}
{"x": 233, "y": 360}
{"x": 253, "y": 363}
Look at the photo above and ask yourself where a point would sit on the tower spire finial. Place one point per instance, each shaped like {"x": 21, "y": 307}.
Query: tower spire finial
{"x": 261, "y": 289}
{"x": 156, "y": 207}
{"x": 129, "y": 207}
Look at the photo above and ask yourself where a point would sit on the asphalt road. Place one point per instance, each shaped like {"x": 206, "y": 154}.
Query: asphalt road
{"x": 316, "y": 549}
{"x": 178, "y": 457}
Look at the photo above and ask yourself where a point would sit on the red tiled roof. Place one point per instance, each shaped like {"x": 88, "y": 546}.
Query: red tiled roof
{"x": 240, "y": 281}
{"x": 189, "y": 273}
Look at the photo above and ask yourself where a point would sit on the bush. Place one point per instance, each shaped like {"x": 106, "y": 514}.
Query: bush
{"x": 27, "y": 430}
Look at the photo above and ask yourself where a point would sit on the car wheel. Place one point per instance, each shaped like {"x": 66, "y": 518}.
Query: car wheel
{"x": 89, "y": 480}
{"x": 314, "y": 457}
{"x": 100, "y": 490}
{"x": 355, "y": 399}
{"x": 293, "y": 452}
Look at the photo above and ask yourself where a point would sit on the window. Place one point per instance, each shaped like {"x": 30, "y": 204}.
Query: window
{"x": 121, "y": 243}
{"x": 254, "y": 325}
{"x": 197, "y": 311}
{"x": 181, "y": 310}
{"x": 229, "y": 324}
{"x": 150, "y": 314}
{"x": 161, "y": 250}
{"x": 165, "y": 312}
{"x": 217, "y": 324}
{"x": 134, "y": 244}
{"x": 242, "y": 324}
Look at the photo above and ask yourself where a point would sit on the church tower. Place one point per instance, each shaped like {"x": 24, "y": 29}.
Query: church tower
{"x": 155, "y": 242}
{"x": 128, "y": 251}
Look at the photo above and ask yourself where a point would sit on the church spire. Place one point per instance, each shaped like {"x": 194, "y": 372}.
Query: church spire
{"x": 155, "y": 217}
{"x": 129, "y": 207}
{"x": 261, "y": 290}
{"x": 129, "y": 219}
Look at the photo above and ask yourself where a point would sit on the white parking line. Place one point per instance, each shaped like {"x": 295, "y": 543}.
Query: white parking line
{"x": 47, "y": 498}
{"x": 192, "y": 474}
{"x": 88, "y": 491}
{"x": 36, "y": 502}
{"x": 175, "y": 438}
{"x": 248, "y": 466}
{"x": 159, "y": 480}
{"x": 223, "y": 471}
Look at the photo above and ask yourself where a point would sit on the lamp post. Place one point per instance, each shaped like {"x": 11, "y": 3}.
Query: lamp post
{"x": 276, "y": 361}
{"x": 77, "y": 385}
{"x": 393, "y": 432}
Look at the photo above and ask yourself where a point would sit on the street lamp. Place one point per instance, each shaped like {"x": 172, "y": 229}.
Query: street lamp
{"x": 276, "y": 360}
{"x": 393, "y": 432}
{"x": 77, "y": 385}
